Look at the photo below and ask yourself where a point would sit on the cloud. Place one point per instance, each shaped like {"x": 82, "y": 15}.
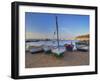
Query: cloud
{"x": 37, "y": 35}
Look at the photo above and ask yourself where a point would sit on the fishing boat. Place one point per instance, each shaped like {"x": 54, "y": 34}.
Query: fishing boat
{"x": 82, "y": 46}
{"x": 34, "y": 47}
{"x": 26, "y": 47}
{"x": 58, "y": 51}
{"x": 46, "y": 49}
{"x": 36, "y": 50}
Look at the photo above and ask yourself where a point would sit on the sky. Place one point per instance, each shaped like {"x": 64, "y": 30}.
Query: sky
{"x": 43, "y": 25}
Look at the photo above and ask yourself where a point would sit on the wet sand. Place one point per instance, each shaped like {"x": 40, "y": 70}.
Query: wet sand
{"x": 75, "y": 58}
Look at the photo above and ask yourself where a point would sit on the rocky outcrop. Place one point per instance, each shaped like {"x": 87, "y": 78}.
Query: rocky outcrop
{"x": 83, "y": 37}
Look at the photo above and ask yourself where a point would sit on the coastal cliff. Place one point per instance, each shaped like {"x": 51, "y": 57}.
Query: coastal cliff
{"x": 83, "y": 37}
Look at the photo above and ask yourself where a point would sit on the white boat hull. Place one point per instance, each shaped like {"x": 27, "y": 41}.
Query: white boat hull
{"x": 82, "y": 47}
{"x": 34, "y": 50}
{"x": 58, "y": 51}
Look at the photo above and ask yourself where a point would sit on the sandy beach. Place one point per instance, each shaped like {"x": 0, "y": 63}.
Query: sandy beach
{"x": 75, "y": 58}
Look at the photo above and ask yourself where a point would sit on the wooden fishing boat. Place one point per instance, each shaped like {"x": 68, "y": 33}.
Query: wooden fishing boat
{"x": 58, "y": 51}
{"x": 33, "y": 47}
{"x": 34, "y": 50}
{"x": 82, "y": 46}
{"x": 46, "y": 49}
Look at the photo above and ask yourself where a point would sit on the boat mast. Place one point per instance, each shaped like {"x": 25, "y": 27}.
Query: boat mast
{"x": 57, "y": 32}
